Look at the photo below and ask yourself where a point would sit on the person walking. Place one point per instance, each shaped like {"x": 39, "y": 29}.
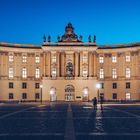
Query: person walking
{"x": 94, "y": 101}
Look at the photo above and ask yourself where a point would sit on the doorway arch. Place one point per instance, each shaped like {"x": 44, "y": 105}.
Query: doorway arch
{"x": 69, "y": 93}
{"x": 85, "y": 94}
{"x": 53, "y": 96}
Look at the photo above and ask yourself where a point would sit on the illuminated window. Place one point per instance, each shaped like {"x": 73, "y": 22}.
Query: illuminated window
{"x": 37, "y": 73}
{"x": 128, "y": 73}
{"x": 53, "y": 72}
{"x": 11, "y": 58}
{"x": 101, "y": 59}
{"x": 127, "y": 58}
{"x": 37, "y": 59}
{"x": 101, "y": 73}
{"x": 85, "y": 59}
{"x": 114, "y": 59}
{"x": 24, "y": 58}
{"x": 114, "y": 73}
{"x": 128, "y": 96}
{"x": 85, "y": 72}
{"x": 24, "y": 73}
{"x": 54, "y": 59}
{"x": 11, "y": 73}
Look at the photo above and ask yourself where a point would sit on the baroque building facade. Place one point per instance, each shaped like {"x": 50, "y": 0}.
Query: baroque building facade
{"x": 69, "y": 70}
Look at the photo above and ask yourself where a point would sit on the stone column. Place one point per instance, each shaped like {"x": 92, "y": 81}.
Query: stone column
{"x": 48, "y": 64}
{"x": 90, "y": 64}
{"x": 62, "y": 64}
{"x": 94, "y": 68}
{"x": 81, "y": 64}
{"x": 76, "y": 63}
{"x": 57, "y": 64}
{"x": 44, "y": 64}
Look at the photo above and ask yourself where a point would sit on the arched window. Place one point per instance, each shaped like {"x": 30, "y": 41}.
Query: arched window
{"x": 69, "y": 70}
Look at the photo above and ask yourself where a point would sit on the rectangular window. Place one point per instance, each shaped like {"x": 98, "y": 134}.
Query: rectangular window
{"x": 24, "y": 85}
{"x": 101, "y": 73}
{"x": 37, "y": 73}
{"x": 24, "y": 58}
{"x": 127, "y": 58}
{"x": 37, "y": 59}
{"x": 11, "y": 58}
{"x": 128, "y": 85}
{"x": 114, "y": 59}
{"x": 114, "y": 73}
{"x": 11, "y": 85}
{"x": 85, "y": 59}
{"x": 114, "y": 96}
{"x": 102, "y": 85}
{"x": 37, "y": 96}
{"x": 11, "y": 96}
{"x": 53, "y": 72}
{"x": 11, "y": 73}
{"x": 24, "y": 95}
{"x": 54, "y": 59}
{"x": 114, "y": 85}
{"x": 37, "y": 85}
{"x": 128, "y": 73}
{"x": 101, "y": 59}
{"x": 24, "y": 73}
{"x": 128, "y": 96}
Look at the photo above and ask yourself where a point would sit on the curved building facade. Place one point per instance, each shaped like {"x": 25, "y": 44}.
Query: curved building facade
{"x": 69, "y": 70}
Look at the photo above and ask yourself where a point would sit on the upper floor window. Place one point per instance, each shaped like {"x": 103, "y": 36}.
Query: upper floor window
{"x": 53, "y": 72}
{"x": 37, "y": 85}
{"x": 101, "y": 73}
{"x": 114, "y": 85}
{"x": 24, "y": 73}
{"x": 127, "y": 84}
{"x": 24, "y": 85}
{"x": 37, "y": 59}
{"x": 128, "y": 73}
{"x": 127, "y": 58}
{"x": 11, "y": 58}
{"x": 114, "y": 59}
{"x": 114, "y": 73}
{"x": 54, "y": 59}
{"x": 11, "y": 85}
{"x": 24, "y": 58}
{"x": 11, "y": 73}
{"x": 102, "y": 85}
{"x": 101, "y": 59}
{"x": 85, "y": 59}
{"x": 37, "y": 73}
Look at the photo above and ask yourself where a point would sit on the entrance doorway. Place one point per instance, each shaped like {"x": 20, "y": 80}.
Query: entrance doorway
{"x": 85, "y": 94}
{"x": 53, "y": 94}
{"x": 69, "y": 93}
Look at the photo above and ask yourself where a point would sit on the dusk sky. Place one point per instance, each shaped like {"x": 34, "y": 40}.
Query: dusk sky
{"x": 112, "y": 21}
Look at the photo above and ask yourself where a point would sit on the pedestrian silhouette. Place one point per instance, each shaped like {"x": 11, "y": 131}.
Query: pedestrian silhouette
{"x": 94, "y": 101}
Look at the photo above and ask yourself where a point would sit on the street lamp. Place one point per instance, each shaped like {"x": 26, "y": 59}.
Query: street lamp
{"x": 98, "y": 86}
{"x": 41, "y": 86}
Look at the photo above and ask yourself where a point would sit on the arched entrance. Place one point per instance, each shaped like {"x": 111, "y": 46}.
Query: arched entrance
{"x": 53, "y": 94}
{"x": 85, "y": 94}
{"x": 69, "y": 93}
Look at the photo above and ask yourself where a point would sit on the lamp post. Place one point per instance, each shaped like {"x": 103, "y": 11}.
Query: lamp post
{"x": 98, "y": 87}
{"x": 41, "y": 86}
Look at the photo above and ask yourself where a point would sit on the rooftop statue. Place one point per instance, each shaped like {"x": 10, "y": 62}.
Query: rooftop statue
{"x": 49, "y": 38}
{"x": 44, "y": 38}
{"x": 89, "y": 38}
{"x": 94, "y": 40}
{"x": 69, "y": 35}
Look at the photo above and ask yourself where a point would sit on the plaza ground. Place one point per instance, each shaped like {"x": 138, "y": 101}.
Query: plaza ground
{"x": 69, "y": 121}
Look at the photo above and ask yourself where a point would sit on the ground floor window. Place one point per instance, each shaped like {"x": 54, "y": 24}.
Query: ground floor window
{"x": 11, "y": 96}
{"x": 114, "y": 96}
{"x": 37, "y": 96}
{"x": 128, "y": 96}
{"x": 24, "y": 95}
{"x": 69, "y": 93}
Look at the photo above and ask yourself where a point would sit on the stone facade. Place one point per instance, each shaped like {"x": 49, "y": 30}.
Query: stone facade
{"x": 69, "y": 70}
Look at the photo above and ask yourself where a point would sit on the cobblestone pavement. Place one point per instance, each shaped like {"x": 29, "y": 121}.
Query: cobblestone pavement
{"x": 69, "y": 121}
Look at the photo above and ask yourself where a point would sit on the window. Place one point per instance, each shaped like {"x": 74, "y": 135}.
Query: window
{"x": 24, "y": 95}
{"x": 85, "y": 72}
{"x": 37, "y": 59}
{"x": 37, "y": 73}
{"x": 37, "y": 96}
{"x": 114, "y": 96}
{"x": 11, "y": 58}
{"x": 54, "y": 59}
{"x": 37, "y": 85}
{"x": 11, "y": 85}
{"x": 101, "y": 59}
{"x": 128, "y": 85}
{"x": 127, "y": 58}
{"x": 24, "y": 85}
{"x": 11, "y": 73}
{"x": 11, "y": 96}
{"x": 85, "y": 59}
{"x": 53, "y": 72}
{"x": 24, "y": 73}
{"x": 114, "y": 73}
{"x": 128, "y": 96}
{"x": 101, "y": 73}
{"x": 114, "y": 59}
{"x": 114, "y": 85}
{"x": 128, "y": 72}
{"x": 24, "y": 58}
{"x": 102, "y": 85}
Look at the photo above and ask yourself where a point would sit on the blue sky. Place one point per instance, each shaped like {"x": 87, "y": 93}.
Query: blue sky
{"x": 112, "y": 21}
